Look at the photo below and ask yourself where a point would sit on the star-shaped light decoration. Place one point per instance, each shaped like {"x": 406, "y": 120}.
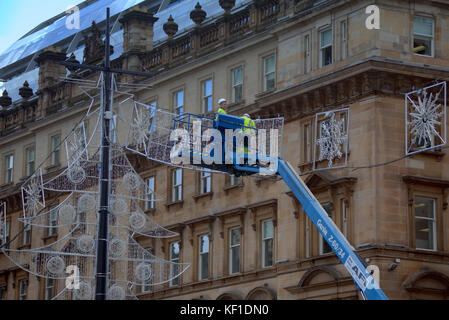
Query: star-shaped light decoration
{"x": 333, "y": 136}
{"x": 33, "y": 198}
{"x": 426, "y": 118}
{"x": 140, "y": 126}
{"x": 76, "y": 218}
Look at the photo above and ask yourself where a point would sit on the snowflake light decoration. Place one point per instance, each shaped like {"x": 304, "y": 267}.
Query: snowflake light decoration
{"x": 76, "y": 145}
{"x": 425, "y": 118}
{"x": 33, "y": 198}
{"x": 77, "y": 221}
{"x": 140, "y": 125}
{"x": 333, "y": 137}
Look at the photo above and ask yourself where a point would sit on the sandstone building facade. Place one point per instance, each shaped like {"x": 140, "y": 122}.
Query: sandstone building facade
{"x": 248, "y": 238}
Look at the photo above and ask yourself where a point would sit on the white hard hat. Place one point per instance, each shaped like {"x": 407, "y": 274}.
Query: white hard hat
{"x": 247, "y": 115}
{"x": 221, "y": 101}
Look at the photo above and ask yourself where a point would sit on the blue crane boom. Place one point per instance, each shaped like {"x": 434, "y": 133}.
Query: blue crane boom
{"x": 327, "y": 228}
{"x": 331, "y": 233}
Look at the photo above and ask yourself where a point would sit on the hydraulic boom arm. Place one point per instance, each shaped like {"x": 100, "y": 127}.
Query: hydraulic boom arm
{"x": 336, "y": 240}
{"x": 331, "y": 233}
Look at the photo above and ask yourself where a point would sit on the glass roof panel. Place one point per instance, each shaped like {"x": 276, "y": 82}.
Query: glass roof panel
{"x": 13, "y": 85}
{"x": 58, "y": 31}
{"x": 95, "y": 12}
{"x": 181, "y": 14}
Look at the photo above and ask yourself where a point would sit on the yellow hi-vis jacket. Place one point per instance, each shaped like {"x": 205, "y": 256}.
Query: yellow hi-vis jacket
{"x": 249, "y": 124}
{"x": 220, "y": 110}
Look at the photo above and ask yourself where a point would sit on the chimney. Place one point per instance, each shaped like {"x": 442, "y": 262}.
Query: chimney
{"x": 49, "y": 68}
{"x": 49, "y": 73}
{"x": 137, "y": 36}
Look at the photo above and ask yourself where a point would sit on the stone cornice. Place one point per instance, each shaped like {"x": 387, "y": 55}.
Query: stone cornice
{"x": 266, "y": 203}
{"x": 205, "y": 219}
{"x": 231, "y": 212}
{"x": 343, "y": 86}
{"x": 433, "y": 182}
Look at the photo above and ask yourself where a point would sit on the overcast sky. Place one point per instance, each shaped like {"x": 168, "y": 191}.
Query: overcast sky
{"x": 17, "y": 17}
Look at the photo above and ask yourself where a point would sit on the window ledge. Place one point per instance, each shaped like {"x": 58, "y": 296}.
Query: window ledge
{"x": 437, "y": 153}
{"x": 309, "y": 165}
{"x": 6, "y": 185}
{"x": 424, "y": 55}
{"x": 236, "y": 104}
{"x": 24, "y": 246}
{"x": 170, "y": 204}
{"x": 235, "y": 186}
{"x": 272, "y": 179}
{"x": 196, "y": 197}
{"x": 200, "y": 282}
{"x": 53, "y": 167}
{"x": 264, "y": 93}
{"x": 151, "y": 211}
{"x": 52, "y": 237}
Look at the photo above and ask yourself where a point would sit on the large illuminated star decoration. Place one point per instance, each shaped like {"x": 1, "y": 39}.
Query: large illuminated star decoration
{"x": 332, "y": 138}
{"x": 33, "y": 194}
{"x": 140, "y": 126}
{"x": 426, "y": 115}
{"x": 73, "y": 214}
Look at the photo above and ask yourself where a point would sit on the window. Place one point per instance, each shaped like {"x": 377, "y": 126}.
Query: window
{"x": 207, "y": 95}
{"x": 269, "y": 72}
{"x": 234, "y": 180}
{"x": 23, "y": 289}
{"x": 177, "y": 185}
{"x": 345, "y": 217}
{"x": 9, "y": 161}
{"x": 82, "y": 219}
{"x": 237, "y": 84}
{"x": 30, "y": 154}
{"x": 344, "y": 40}
{"x": 52, "y": 221}
{"x": 307, "y": 142}
{"x": 174, "y": 268}
{"x": 3, "y": 292}
{"x": 81, "y": 132}
{"x": 55, "y": 147}
{"x": 423, "y": 36}
{"x": 324, "y": 247}
{"x": 425, "y": 142}
{"x": 307, "y": 244}
{"x": 203, "y": 259}
{"x": 325, "y": 47}
{"x": 149, "y": 204}
{"x": 205, "y": 182}
{"x": 27, "y": 234}
{"x": 234, "y": 250}
{"x": 146, "y": 284}
{"x": 7, "y": 233}
{"x": 152, "y": 113}
{"x": 178, "y": 102}
{"x": 267, "y": 243}
{"x": 307, "y": 54}
{"x": 49, "y": 288}
{"x": 425, "y": 223}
